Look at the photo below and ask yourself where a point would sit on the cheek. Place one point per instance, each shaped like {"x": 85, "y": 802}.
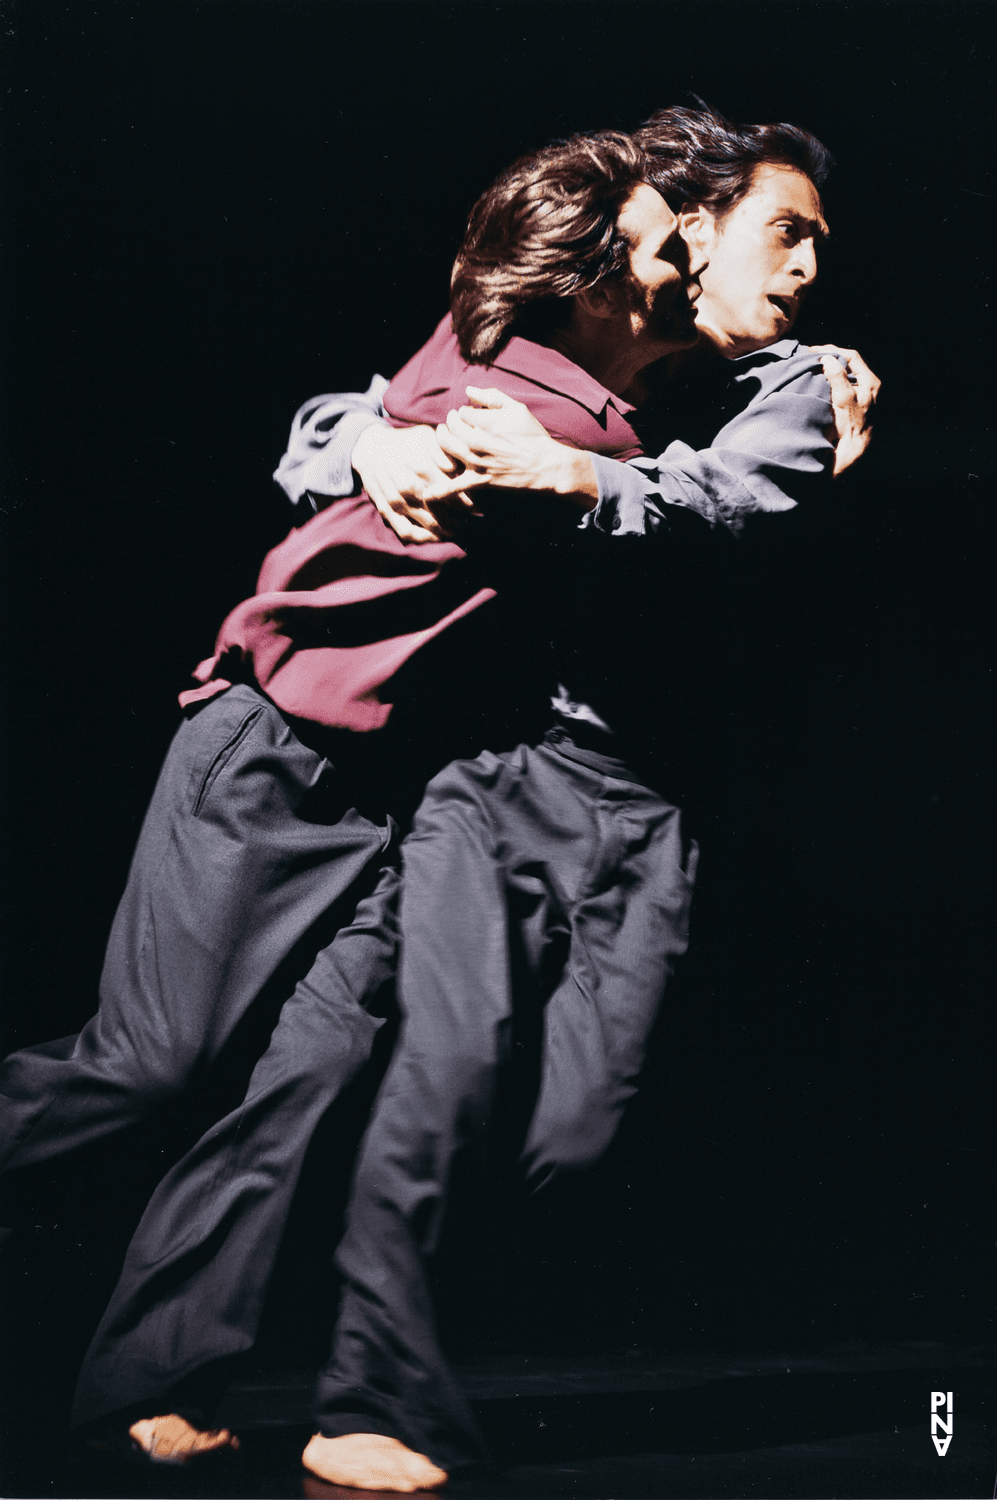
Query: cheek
{"x": 721, "y": 280}
{"x": 734, "y": 277}
{"x": 747, "y": 298}
{"x": 669, "y": 285}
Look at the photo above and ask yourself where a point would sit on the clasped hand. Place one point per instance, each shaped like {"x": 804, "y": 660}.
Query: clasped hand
{"x": 422, "y": 481}
{"x": 417, "y": 488}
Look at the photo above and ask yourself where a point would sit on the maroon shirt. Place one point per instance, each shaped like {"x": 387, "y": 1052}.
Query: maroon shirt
{"x": 342, "y": 603}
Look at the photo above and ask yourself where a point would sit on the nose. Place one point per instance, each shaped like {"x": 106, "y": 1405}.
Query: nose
{"x": 804, "y": 263}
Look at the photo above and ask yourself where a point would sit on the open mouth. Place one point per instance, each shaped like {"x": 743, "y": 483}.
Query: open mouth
{"x": 783, "y": 305}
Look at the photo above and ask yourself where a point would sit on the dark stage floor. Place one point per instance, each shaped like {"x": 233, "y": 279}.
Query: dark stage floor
{"x": 848, "y": 1420}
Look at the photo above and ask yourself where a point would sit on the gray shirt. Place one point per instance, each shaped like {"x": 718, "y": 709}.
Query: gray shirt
{"x": 764, "y": 458}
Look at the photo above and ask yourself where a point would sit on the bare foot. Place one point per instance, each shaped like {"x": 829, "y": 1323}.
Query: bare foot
{"x": 172, "y": 1439}
{"x": 368, "y": 1461}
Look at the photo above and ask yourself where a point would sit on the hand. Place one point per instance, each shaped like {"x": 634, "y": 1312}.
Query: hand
{"x": 852, "y": 404}
{"x": 500, "y": 439}
{"x": 417, "y": 488}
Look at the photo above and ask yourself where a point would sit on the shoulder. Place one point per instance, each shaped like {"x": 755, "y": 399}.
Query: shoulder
{"x": 786, "y": 366}
{"x": 422, "y": 391}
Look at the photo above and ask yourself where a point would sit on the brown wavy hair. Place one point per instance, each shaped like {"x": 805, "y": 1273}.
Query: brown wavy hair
{"x": 699, "y": 156}
{"x": 545, "y": 230}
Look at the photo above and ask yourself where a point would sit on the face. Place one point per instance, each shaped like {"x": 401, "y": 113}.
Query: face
{"x": 762, "y": 259}
{"x": 664, "y": 273}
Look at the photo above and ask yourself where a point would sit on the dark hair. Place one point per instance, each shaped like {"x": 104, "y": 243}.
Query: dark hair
{"x": 545, "y": 230}
{"x": 698, "y": 156}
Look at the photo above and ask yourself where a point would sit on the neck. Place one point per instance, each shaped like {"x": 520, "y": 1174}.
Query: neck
{"x": 616, "y": 366}
{"x": 705, "y": 354}
{"x": 713, "y": 346}
{"x": 721, "y": 343}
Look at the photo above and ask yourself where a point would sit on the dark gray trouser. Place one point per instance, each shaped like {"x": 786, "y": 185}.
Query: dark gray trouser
{"x": 246, "y": 856}
{"x": 508, "y": 856}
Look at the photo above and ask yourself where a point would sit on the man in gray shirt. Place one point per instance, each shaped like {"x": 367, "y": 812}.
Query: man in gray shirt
{"x": 737, "y": 479}
{"x": 390, "y": 1413}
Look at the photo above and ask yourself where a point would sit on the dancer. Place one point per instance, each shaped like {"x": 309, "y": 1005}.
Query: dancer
{"x": 559, "y": 845}
{"x": 262, "y": 892}
{"x": 136, "y": 1357}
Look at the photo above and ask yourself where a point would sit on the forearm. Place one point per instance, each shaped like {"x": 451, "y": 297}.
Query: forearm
{"x": 571, "y": 473}
{"x": 639, "y": 497}
{"x": 769, "y": 458}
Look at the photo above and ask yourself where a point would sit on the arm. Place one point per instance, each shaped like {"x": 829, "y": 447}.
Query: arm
{"x": 502, "y": 438}
{"x": 341, "y": 443}
{"x": 769, "y": 457}
{"x": 770, "y": 454}
{"x": 809, "y": 419}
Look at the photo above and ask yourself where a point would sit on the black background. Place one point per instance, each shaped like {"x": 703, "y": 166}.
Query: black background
{"x": 215, "y": 210}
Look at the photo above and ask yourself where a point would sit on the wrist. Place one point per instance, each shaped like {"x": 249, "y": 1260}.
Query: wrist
{"x": 365, "y": 444}
{"x": 573, "y": 476}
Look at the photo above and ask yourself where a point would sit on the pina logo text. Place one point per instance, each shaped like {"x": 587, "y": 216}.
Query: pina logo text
{"x": 941, "y": 1420}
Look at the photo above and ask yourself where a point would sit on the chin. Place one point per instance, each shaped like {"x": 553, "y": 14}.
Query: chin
{"x": 780, "y": 328}
{"x": 761, "y": 337}
{"x": 681, "y": 333}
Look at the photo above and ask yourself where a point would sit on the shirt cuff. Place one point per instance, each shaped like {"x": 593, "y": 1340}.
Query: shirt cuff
{"x": 327, "y": 473}
{"x": 622, "y": 495}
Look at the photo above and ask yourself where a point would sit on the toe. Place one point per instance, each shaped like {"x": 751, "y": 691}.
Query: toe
{"x": 370, "y": 1461}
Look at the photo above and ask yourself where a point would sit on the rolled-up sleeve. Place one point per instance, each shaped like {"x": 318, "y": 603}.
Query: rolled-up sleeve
{"x": 318, "y": 462}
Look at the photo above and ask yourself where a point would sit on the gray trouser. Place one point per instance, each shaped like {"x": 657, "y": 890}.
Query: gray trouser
{"x": 252, "y": 867}
{"x": 551, "y": 870}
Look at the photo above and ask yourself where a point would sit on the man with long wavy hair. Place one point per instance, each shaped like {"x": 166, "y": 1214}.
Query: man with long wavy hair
{"x": 248, "y": 862}
{"x": 568, "y": 845}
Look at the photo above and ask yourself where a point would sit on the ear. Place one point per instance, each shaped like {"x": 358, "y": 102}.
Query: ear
{"x": 604, "y": 300}
{"x": 697, "y": 226}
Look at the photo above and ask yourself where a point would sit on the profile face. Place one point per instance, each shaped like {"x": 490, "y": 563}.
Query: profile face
{"x": 762, "y": 260}
{"x": 664, "y": 283}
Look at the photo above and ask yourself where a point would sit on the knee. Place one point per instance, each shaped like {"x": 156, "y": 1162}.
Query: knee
{"x": 313, "y": 1063}
{"x": 152, "y": 1071}
{"x": 459, "y": 800}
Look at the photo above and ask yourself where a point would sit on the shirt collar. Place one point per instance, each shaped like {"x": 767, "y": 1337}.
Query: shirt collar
{"x": 781, "y": 349}
{"x": 548, "y": 368}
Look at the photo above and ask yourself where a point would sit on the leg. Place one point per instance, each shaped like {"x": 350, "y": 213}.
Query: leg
{"x": 386, "y": 1375}
{"x": 191, "y": 1292}
{"x": 554, "y": 849}
{"x": 230, "y": 872}
{"x": 627, "y": 928}
{"x": 246, "y": 855}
